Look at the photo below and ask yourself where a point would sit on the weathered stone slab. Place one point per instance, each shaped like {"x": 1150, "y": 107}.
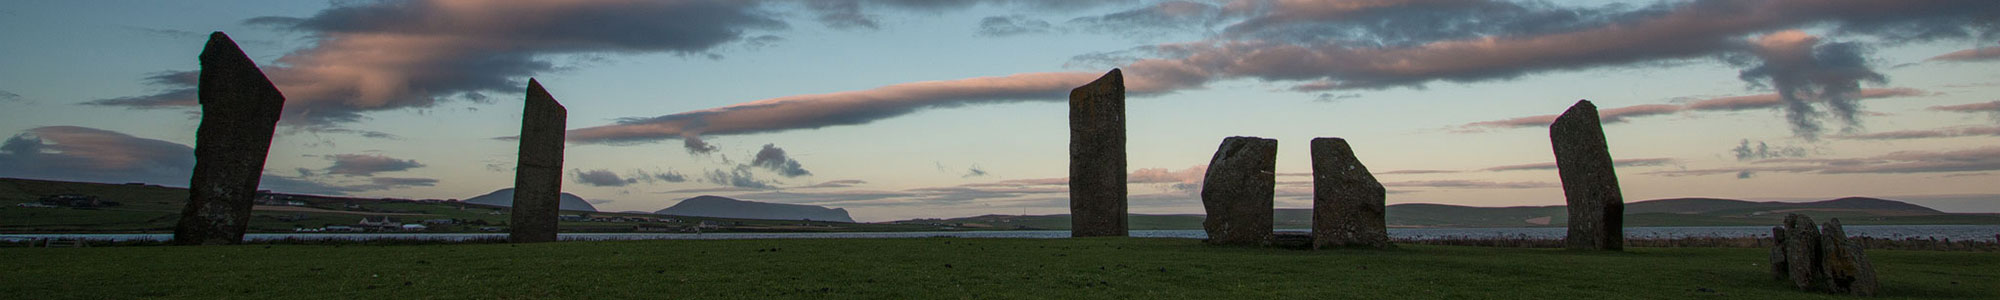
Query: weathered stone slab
{"x": 1802, "y": 254}
{"x": 1846, "y": 268}
{"x": 1097, "y": 157}
{"x": 1348, "y": 203}
{"x": 1779, "y": 269}
{"x": 239, "y": 112}
{"x": 1590, "y": 183}
{"x": 538, "y": 174}
{"x": 1237, "y": 191}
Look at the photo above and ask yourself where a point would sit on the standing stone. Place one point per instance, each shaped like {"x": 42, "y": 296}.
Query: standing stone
{"x": 1596, "y": 207}
{"x": 1846, "y": 268}
{"x": 538, "y": 174}
{"x": 1347, "y": 201}
{"x": 1097, "y": 157}
{"x": 1779, "y": 269}
{"x": 239, "y": 112}
{"x": 1237, "y": 191}
{"x": 1802, "y": 254}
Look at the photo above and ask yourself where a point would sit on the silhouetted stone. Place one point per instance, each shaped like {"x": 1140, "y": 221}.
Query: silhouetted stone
{"x": 1237, "y": 191}
{"x": 1779, "y": 270}
{"x": 1347, "y": 201}
{"x": 538, "y": 174}
{"x": 1097, "y": 157}
{"x": 1590, "y": 183}
{"x": 1846, "y": 268}
{"x": 239, "y": 112}
{"x": 1802, "y": 254}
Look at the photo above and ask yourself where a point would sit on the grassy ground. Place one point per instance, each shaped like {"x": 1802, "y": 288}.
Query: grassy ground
{"x": 930, "y": 268}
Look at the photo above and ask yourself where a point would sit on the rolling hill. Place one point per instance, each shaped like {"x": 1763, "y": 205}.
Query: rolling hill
{"x": 725, "y": 207}
{"x": 505, "y": 198}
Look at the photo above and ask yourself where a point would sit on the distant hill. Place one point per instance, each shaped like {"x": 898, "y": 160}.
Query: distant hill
{"x": 724, "y": 207}
{"x": 505, "y": 198}
{"x": 1661, "y": 212}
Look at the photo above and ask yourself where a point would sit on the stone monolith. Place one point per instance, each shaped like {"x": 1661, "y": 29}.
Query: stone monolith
{"x": 1590, "y": 183}
{"x": 538, "y": 173}
{"x": 1780, "y": 269}
{"x": 1846, "y": 269}
{"x": 1802, "y": 253}
{"x": 1097, "y": 157}
{"x": 239, "y": 113}
{"x": 1347, "y": 201}
{"x": 1237, "y": 191}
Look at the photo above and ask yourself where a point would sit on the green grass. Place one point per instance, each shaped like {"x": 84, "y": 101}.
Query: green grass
{"x": 931, "y": 268}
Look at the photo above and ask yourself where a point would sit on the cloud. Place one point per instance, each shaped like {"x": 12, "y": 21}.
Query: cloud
{"x": 974, "y": 171}
{"x": 1154, "y": 19}
{"x": 834, "y": 109}
{"x": 1799, "y": 67}
{"x": 842, "y": 14}
{"x": 179, "y": 92}
{"x": 668, "y": 176}
{"x": 1924, "y": 134}
{"x": 1992, "y": 108}
{"x": 1623, "y": 114}
{"x": 368, "y": 164}
{"x": 363, "y": 133}
{"x": 696, "y": 146}
{"x": 97, "y": 155}
{"x": 1418, "y": 172}
{"x": 1499, "y": 41}
{"x": 304, "y": 185}
{"x": 836, "y": 184}
{"x": 739, "y": 177}
{"x": 1470, "y": 184}
{"x": 774, "y": 159}
{"x": 1763, "y": 151}
{"x": 6, "y": 96}
{"x": 853, "y": 14}
{"x": 600, "y": 177}
{"x": 384, "y": 183}
{"x": 1630, "y": 162}
{"x": 1988, "y": 107}
{"x": 388, "y": 55}
{"x": 1901, "y": 162}
{"x": 1765, "y": 101}
{"x": 1970, "y": 55}
{"x": 1012, "y": 25}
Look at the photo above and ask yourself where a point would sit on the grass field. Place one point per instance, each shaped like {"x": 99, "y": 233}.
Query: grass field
{"x": 941, "y": 268}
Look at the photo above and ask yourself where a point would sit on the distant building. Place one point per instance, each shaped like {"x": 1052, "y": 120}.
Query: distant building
{"x": 379, "y": 221}
{"x": 35, "y": 205}
{"x": 415, "y": 227}
{"x": 440, "y": 221}
{"x": 340, "y": 228}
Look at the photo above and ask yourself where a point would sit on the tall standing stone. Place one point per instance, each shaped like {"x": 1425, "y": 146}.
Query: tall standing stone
{"x": 1846, "y": 268}
{"x": 538, "y": 174}
{"x": 1802, "y": 253}
{"x": 1237, "y": 191}
{"x": 1590, "y": 183}
{"x": 239, "y": 112}
{"x": 1780, "y": 269}
{"x": 1347, "y": 201}
{"x": 1097, "y": 157}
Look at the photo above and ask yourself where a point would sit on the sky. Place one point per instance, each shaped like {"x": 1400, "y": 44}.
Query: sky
{"x": 900, "y": 109}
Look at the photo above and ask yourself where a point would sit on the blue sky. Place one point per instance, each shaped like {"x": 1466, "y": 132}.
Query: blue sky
{"x": 905, "y": 109}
